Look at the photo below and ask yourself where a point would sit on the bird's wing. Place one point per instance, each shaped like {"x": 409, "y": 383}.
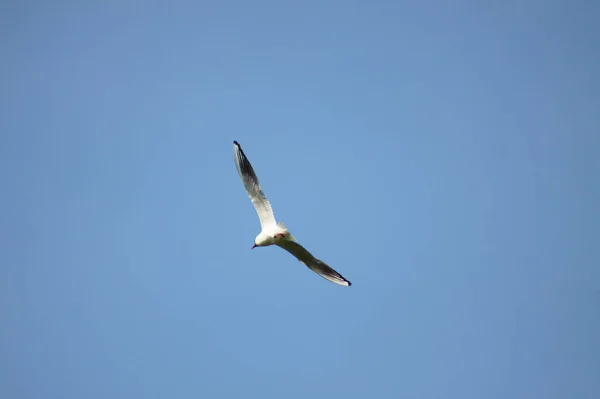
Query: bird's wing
{"x": 314, "y": 264}
{"x": 259, "y": 199}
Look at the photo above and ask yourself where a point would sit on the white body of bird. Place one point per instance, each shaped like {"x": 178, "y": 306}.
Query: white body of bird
{"x": 272, "y": 235}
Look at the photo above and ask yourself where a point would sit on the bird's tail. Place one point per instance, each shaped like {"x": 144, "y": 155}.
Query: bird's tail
{"x": 283, "y": 228}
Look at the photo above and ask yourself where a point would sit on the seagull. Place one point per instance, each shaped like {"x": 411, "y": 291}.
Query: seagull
{"x": 273, "y": 233}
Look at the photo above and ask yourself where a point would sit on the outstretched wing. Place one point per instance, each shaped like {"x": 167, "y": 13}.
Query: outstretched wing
{"x": 259, "y": 199}
{"x": 314, "y": 264}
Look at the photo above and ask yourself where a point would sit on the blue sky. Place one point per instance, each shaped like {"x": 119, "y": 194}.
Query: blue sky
{"x": 443, "y": 156}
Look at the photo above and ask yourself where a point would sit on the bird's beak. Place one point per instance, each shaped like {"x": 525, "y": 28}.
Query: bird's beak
{"x": 254, "y": 246}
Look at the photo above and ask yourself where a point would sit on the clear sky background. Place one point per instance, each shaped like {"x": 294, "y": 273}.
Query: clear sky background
{"x": 443, "y": 156}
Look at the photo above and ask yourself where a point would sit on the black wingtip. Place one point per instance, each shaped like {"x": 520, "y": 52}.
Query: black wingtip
{"x": 235, "y": 142}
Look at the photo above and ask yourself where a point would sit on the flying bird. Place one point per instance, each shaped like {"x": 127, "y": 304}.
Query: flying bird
{"x": 273, "y": 233}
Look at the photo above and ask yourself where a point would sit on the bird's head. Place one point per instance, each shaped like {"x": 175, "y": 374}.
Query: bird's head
{"x": 256, "y": 242}
{"x": 261, "y": 240}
